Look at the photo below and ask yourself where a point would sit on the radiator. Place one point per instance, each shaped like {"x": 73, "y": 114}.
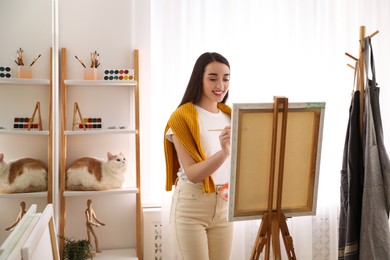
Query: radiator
{"x": 152, "y": 233}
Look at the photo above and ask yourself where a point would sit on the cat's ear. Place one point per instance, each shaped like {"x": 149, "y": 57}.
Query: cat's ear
{"x": 110, "y": 156}
{"x": 1, "y": 157}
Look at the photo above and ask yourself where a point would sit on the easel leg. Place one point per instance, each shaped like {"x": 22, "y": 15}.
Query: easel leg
{"x": 275, "y": 236}
{"x": 262, "y": 239}
{"x": 269, "y": 230}
{"x": 76, "y": 110}
{"x": 287, "y": 238}
{"x": 37, "y": 109}
{"x": 39, "y": 117}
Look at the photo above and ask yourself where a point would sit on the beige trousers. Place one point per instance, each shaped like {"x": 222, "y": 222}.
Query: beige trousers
{"x": 198, "y": 224}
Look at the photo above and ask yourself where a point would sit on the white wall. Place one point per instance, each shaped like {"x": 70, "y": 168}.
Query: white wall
{"x": 26, "y": 25}
{"x": 104, "y": 26}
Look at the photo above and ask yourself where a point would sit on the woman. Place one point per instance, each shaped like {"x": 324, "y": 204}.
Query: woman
{"x": 197, "y": 149}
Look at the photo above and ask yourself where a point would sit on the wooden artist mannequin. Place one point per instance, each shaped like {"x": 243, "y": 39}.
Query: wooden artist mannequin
{"x": 20, "y": 216}
{"x": 92, "y": 221}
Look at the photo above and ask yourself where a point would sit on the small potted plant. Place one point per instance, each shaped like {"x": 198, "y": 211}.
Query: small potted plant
{"x": 77, "y": 249}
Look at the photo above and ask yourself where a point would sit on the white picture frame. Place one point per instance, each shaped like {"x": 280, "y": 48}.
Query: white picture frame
{"x": 11, "y": 247}
{"x": 42, "y": 241}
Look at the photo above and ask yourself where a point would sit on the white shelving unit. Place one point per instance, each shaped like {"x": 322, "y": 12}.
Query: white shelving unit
{"x": 18, "y": 97}
{"x": 127, "y": 137}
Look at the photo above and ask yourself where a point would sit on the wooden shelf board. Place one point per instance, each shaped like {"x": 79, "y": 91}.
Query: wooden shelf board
{"x": 124, "y": 190}
{"x": 17, "y": 81}
{"x": 100, "y": 82}
{"x": 117, "y": 254}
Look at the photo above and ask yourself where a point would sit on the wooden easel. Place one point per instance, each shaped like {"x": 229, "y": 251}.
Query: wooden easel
{"x": 76, "y": 111}
{"x": 30, "y": 122}
{"x": 273, "y": 220}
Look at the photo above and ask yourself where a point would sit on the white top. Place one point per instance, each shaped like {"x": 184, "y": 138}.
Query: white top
{"x": 210, "y": 141}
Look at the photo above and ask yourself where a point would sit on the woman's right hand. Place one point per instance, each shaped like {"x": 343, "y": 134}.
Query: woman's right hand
{"x": 224, "y": 139}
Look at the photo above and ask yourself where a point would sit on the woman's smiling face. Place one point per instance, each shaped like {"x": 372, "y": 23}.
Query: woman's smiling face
{"x": 215, "y": 82}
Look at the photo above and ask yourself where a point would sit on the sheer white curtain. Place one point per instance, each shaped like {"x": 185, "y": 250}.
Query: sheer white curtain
{"x": 284, "y": 47}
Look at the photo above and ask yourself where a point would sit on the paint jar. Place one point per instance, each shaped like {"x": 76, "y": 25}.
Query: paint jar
{"x": 24, "y": 72}
{"x": 90, "y": 74}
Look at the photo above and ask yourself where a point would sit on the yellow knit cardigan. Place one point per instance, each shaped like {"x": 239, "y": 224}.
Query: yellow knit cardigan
{"x": 185, "y": 126}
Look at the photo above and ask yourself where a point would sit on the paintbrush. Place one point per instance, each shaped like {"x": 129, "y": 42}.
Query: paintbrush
{"x": 32, "y": 63}
{"x": 81, "y": 62}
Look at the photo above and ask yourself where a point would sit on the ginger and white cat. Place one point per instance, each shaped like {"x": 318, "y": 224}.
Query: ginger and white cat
{"x": 23, "y": 175}
{"x": 89, "y": 173}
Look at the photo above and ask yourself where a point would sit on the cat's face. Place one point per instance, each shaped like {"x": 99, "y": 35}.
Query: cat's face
{"x": 117, "y": 162}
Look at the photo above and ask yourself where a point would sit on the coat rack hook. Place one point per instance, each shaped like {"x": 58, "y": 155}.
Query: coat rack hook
{"x": 352, "y": 57}
{"x": 373, "y": 34}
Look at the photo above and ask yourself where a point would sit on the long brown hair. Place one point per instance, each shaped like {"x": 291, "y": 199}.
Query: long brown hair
{"x": 194, "y": 89}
